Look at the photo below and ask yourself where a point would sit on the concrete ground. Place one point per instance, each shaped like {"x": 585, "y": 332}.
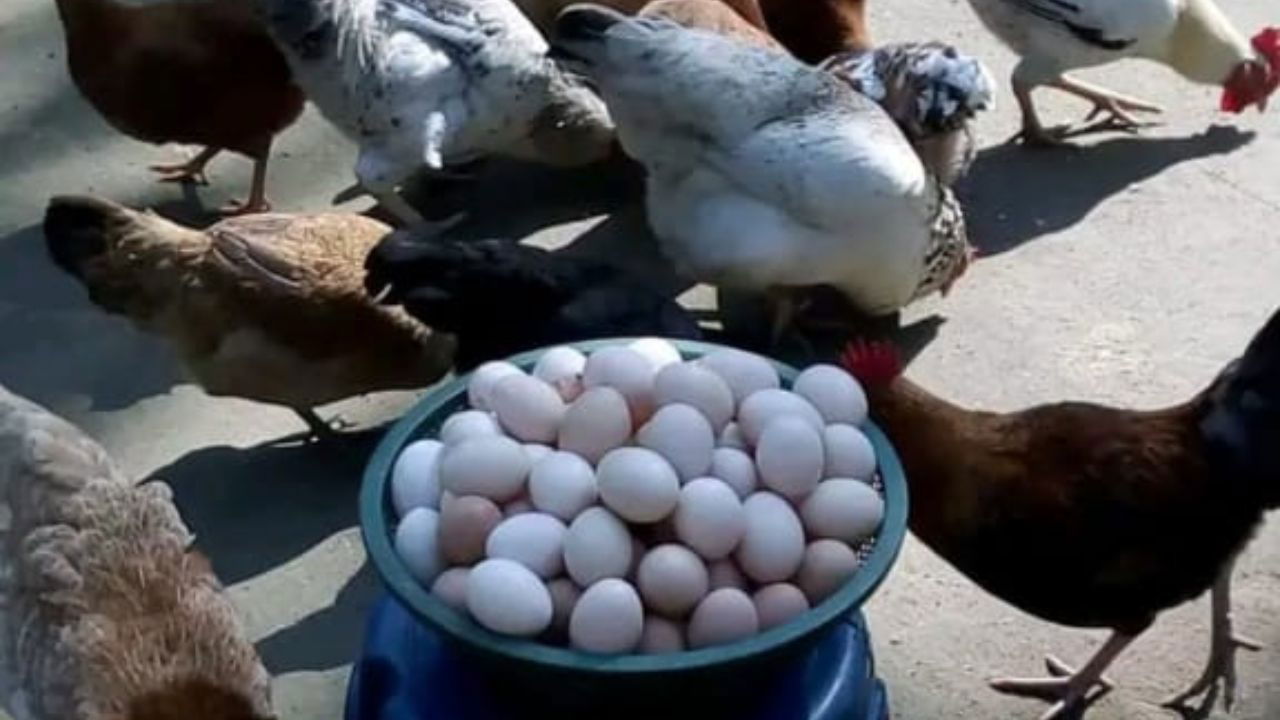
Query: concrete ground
{"x": 1126, "y": 273}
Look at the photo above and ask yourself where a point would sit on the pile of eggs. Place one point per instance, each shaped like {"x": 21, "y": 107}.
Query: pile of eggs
{"x": 630, "y": 501}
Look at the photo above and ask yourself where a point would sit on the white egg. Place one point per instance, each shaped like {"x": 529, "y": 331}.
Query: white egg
{"x": 834, "y": 392}
{"x": 564, "y": 596}
{"x": 779, "y": 603}
{"x": 483, "y": 380}
{"x": 494, "y": 467}
{"x": 607, "y": 619}
{"x": 683, "y": 436}
{"x": 626, "y": 371}
{"x": 507, "y": 598}
{"x": 415, "y": 479}
{"x": 692, "y": 384}
{"x": 789, "y": 457}
{"x": 597, "y": 422}
{"x": 843, "y": 509}
{"x": 638, "y": 484}
{"x": 660, "y": 353}
{"x": 736, "y": 469}
{"x": 562, "y": 484}
{"x": 534, "y": 539}
{"x": 661, "y": 635}
{"x": 536, "y": 452}
{"x": 723, "y": 616}
{"x": 561, "y": 368}
{"x": 416, "y": 544}
{"x": 827, "y": 565}
{"x": 763, "y": 407}
{"x": 773, "y": 544}
{"x": 672, "y": 580}
{"x": 743, "y": 372}
{"x": 465, "y": 524}
{"x": 597, "y": 545}
{"x": 849, "y": 453}
{"x": 451, "y": 587}
{"x": 732, "y": 437}
{"x": 725, "y": 573}
{"x": 468, "y": 424}
{"x": 709, "y": 518}
{"x": 528, "y": 409}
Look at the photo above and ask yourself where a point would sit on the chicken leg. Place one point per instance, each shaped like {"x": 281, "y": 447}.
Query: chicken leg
{"x": 191, "y": 171}
{"x": 1222, "y": 650}
{"x": 257, "y": 201}
{"x": 1068, "y": 689}
{"x": 1119, "y": 110}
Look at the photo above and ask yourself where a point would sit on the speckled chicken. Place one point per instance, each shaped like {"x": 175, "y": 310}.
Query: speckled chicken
{"x": 107, "y": 611}
{"x": 266, "y": 307}
{"x": 431, "y": 83}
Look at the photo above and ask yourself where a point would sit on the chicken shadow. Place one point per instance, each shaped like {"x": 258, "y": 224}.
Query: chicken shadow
{"x": 329, "y": 637}
{"x": 1014, "y": 195}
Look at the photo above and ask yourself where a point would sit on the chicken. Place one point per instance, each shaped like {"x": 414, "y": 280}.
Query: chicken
{"x": 1193, "y": 37}
{"x": 437, "y": 82}
{"x": 266, "y": 307}
{"x": 765, "y": 174}
{"x": 107, "y": 611}
{"x": 931, "y": 90}
{"x": 1082, "y": 514}
{"x": 740, "y": 19}
{"x": 199, "y": 72}
{"x": 502, "y": 298}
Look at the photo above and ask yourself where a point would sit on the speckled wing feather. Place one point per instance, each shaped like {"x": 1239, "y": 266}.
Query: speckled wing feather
{"x": 1076, "y": 18}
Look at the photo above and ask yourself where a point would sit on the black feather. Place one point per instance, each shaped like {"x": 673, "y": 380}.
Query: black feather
{"x": 1062, "y": 13}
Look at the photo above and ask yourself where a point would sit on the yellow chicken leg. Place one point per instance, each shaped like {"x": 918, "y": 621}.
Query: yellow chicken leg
{"x": 191, "y": 171}
{"x": 1068, "y": 689}
{"x": 257, "y": 201}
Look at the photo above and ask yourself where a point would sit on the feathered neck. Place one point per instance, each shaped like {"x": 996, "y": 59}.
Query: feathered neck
{"x": 1205, "y": 46}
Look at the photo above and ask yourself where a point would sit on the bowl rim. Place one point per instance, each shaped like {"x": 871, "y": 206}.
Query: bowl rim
{"x": 376, "y": 527}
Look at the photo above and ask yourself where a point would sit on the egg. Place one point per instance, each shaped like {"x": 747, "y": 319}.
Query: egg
{"x": 683, "y": 436}
{"x": 732, "y": 437}
{"x": 626, "y": 371}
{"x": 507, "y": 598}
{"x": 743, "y": 372}
{"x": 692, "y": 384}
{"x": 465, "y": 526}
{"x": 827, "y": 565}
{"x": 849, "y": 453}
{"x": 527, "y": 408}
{"x": 519, "y": 506}
{"x": 561, "y": 368}
{"x": 725, "y": 573}
{"x": 661, "y": 635}
{"x": 773, "y": 543}
{"x": 597, "y": 422}
{"x": 534, "y": 539}
{"x": 536, "y": 451}
{"x": 709, "y": 518}
{"x": 660, "y": 353}
{"x": 723, "y": 616}
{"x": 834, "y": 392}
{"x": 672, "y": 580}
{"x": 562, "y": 484}
{"x": 762, "y": 408}
{"x": 468, "y": 424}
{"x": 415, "y": 479}
{"x": 607, "y": 619}
{"x": 843, "y": 509}
{"x": 446, "y": 499}
{"x": 564, "y": 596}
{"x": 638, "y": 484}
{"x": 789, "y": 457}
{"x": 736, "y": 469}
{"x": 483, "y": 380}
{"x": 451, "y": 587}
{"x": 493, "y": 466}
{"x": 778, "y": 603}
{"x": 416, "y": 544}
{"x": 596, "y": 545}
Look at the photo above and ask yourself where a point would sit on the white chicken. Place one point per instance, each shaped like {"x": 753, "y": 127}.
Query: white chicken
{"x": 107, "y": 612}
{"x": 1194, "y": 37}
{"x": 766, "y": 174}
{"x": 436, "y": 83}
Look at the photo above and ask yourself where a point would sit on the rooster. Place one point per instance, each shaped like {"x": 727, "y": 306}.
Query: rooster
{"x": 1079, "y": 513}
{"x": 1194, "y": 37}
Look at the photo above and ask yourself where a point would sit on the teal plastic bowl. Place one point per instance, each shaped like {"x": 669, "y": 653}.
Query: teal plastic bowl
{"x": 567, "y": 677}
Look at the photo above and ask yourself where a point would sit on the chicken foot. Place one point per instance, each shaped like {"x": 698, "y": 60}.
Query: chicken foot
{"x": 191, "y": 171}
{"x": 319, "y": 429}
{"x": 1222, "y": 650}
{"x": 1068, "y": 690}
{"x": 1119, "y": 111}
{"x": 257, "y": 200}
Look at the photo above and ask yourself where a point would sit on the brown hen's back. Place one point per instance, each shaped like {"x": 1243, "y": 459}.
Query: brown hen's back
{"x": 742, "y": 21}
{"x": 199, "y": 72}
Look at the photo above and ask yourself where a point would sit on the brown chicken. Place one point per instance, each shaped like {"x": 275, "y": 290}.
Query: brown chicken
{"x": 1093, "y": 516}
{"x": 736, "y": 18}
{"x": 265, "y": 307}
{"x": 201, "y": 72}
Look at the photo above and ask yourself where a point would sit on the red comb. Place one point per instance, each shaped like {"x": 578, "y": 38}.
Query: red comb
{"x": 1267, "y": 44}
{"x": 872, "y": 362}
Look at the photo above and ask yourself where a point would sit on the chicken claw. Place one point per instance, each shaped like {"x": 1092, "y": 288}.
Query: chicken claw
{"x": 245, "y": 207}
{"x": 1068, "y": 689}
{"x": 1222, "y": 651}
{"x": 191, "y": 171}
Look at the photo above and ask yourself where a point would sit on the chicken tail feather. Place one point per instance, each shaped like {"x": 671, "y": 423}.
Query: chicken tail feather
{"x": 873, "y": 363}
